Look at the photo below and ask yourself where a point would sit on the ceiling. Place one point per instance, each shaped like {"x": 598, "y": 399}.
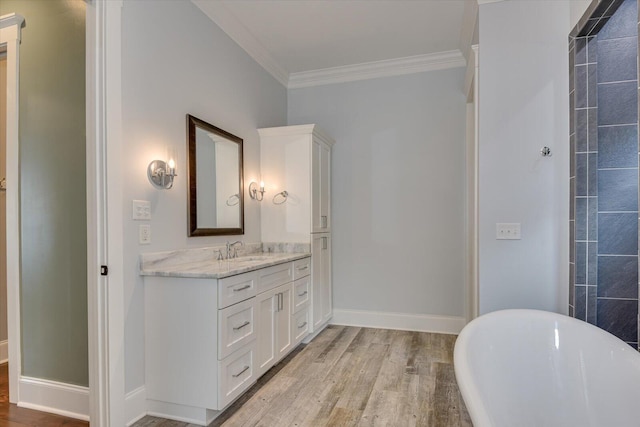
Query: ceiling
{"x": 298, "y": 38}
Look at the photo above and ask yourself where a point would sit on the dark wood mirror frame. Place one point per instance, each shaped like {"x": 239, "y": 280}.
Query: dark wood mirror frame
{"x": 193, "y": 229}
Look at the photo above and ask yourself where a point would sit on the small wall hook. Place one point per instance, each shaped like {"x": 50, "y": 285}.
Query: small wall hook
{"x": 280, "y": 198}
{"x": 545, "y": 151}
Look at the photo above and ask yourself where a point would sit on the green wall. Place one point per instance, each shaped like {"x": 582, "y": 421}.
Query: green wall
{"x": 52, "y": 179}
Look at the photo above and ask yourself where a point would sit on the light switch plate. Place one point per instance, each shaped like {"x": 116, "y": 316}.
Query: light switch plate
{"x": 141, "y": 210}
{"x": 508, "y": 231}
{"x": 144, "y": 234}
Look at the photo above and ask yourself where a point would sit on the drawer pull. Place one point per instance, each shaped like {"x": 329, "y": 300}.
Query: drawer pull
{"x": 302, "y": 326}
{"x": 303, "y": 268}
{"x": 241, "y": 372}
{"x": 303, "y": 294}
{"x": 237, "y": 328}
{"x": 242, "y": 288}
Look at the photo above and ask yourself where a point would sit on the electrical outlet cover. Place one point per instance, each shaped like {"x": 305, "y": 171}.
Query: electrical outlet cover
{"x": 144, "y": 233}
{"x": 508, "y": 231}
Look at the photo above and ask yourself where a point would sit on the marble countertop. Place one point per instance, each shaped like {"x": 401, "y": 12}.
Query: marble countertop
{"x": 210, "y": 268}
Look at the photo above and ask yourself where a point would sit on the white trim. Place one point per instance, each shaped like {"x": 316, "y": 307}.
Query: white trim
{"x": 135, "y": 404}
{"x": 10, "y": 37}
{"x": 223, "y": 17}
{"x": 104, "y": 213}
{"x": 54, "y": 397}
{"x": 472, "y": 191}
{"x": 400, "y": 321}
{"x": 4, "y": 351}
{"x": 10, "y": 20}
{"x": 376, "y": 69}
{"x": 469, "y": 27}
{"x": 470, "y": 75}
{"x": 182, "y": 413}
{"x": 481, "y": 2}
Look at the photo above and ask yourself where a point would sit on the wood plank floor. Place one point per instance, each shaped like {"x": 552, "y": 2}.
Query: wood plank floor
{"x": 353, "y": 377}
{"x": 12, "y": 416}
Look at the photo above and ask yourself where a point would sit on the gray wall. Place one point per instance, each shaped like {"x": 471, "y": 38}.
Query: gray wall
{"x": 397, "y": 189}
{"x": 523, "y": 103}
{"x": 175, "y": 61}
{"x": 52, "y": 179}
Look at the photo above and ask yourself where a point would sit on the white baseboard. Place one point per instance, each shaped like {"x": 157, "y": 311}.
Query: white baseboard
{"x": 57, "y": 398}
{"x": 401, "y": 321}
{"x": 4, "y": 351}
{"x": 135, "y": 405}
{"x": 182, "y": 413}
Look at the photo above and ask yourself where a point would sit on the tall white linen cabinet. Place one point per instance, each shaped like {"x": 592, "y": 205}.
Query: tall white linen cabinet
{"x": 297, "y": 160}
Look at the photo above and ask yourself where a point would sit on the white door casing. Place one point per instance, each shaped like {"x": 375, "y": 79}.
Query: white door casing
{"x": 104, "y": 213}
{"x": 10, "y": 26}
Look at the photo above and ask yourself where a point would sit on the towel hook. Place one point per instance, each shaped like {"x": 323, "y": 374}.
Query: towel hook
{"x": 283, "y": 194}
{"x": 232, "y": 198}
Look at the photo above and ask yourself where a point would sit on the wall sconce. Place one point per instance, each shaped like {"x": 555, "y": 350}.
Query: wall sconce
{"x": 161, "y": 173}
{"x": 253, "y": 190}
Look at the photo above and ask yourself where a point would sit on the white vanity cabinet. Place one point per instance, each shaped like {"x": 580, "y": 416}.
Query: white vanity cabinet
{"x": 207, "y": 340}
{"x": 297, "y": 159}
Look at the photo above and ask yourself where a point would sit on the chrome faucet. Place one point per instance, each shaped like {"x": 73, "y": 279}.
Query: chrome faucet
{"x": 232, "y": 246}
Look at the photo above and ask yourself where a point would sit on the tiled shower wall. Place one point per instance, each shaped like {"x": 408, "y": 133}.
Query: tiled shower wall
{"x": 604, "y": 169}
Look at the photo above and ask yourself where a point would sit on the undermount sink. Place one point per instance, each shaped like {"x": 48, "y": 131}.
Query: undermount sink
{"x": 250, "y": 258}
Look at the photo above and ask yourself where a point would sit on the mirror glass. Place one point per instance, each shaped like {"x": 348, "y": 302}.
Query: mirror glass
{"x": 216, "y": 205}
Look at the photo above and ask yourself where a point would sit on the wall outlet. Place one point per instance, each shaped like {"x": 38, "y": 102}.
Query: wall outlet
{"x": 141, "y": 210}
{"x": 144, "y": 234}
{"x": 508, "y": 231}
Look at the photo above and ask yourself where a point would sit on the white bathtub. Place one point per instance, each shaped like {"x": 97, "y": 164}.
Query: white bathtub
{"x": 535, "y": 368}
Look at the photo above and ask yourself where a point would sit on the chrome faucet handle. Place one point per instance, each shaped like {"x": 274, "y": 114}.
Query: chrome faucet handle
{"x": 220, "y": 256}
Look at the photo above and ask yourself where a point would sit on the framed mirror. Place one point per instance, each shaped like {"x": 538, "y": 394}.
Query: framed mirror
{"x": 216, "y": 201}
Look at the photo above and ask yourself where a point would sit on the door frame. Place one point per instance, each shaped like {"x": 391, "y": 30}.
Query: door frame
{"x": 104, "y": 213}
{"x": 10, "y": 34}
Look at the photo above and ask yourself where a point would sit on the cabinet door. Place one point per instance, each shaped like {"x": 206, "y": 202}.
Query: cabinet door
{"x": 327, "y": 287}
{"x": 266, "y": 311}
{"x": 325, "y": 187}
{"x": 284, "y": 342}
{"x": 320, "y": 187}
{"x": 321, "y": 305}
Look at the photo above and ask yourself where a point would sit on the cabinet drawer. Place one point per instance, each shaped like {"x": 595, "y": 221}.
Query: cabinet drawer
{"x": 300, "y": 325}
{"x": 237, "y": 288}
{"x": 301, "y": 268}
{"x": 274, "y": 276}
{"x": 302, "y": 293}
{"x": 235, "y": 374}
{"x": 236, "y": 327}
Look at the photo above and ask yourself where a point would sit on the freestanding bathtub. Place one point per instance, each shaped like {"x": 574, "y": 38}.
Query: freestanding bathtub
{"x": 535, "y": 368}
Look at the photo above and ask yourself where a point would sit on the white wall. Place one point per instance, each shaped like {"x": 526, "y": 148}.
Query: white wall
{"x": 524, "y": 106}
{"x": 176, "y": 61}
{"x": 398, "y": 189}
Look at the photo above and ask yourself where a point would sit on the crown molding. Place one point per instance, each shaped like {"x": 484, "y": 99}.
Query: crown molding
{"x": 376, "y": 69}
{"x": 218, "y": 13}
{"x": 222, "y": 16}
{"x": 11, "y": 19}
